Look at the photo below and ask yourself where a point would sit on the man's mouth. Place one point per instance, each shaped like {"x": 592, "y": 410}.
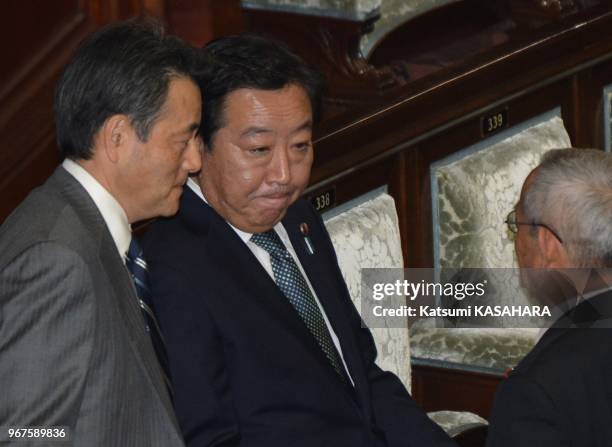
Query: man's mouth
{"x": 276, "y": 200}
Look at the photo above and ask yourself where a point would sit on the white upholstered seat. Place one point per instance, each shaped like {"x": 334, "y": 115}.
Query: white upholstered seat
{"x": 367, "y": 236}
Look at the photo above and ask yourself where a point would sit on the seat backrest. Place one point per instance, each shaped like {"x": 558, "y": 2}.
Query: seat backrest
{"x": 366, "y": 235}
{"x": 472, "y": 192}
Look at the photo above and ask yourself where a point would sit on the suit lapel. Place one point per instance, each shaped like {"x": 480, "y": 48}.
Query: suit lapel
{"x": 588, "y": 313}
{"x": 595, "y": 312}
{"x": 328, "y": 286}
{"x": 235, "y": 261}
{"x": 119, "y": 280}
{"x": 131, "y": 315}
{"x": 233, "y": 255}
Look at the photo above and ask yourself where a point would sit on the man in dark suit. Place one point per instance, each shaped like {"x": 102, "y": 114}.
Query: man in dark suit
{"x": 76, "y": 351}
{"x": 265, "y": 345}
{"x": 561, "y": 393}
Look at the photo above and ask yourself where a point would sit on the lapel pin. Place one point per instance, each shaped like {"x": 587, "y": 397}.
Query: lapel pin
{"x": 305, "y": 231}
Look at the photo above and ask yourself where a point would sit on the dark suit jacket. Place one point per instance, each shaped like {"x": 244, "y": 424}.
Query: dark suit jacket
{"x": 73, "y": 348}
{"x": 561, "y": 393}
{"x": 246, "y": 371}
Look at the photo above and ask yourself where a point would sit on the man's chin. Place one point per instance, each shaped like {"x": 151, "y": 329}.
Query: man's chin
{"x": 173, "y": 202}
{"x": 272, "y": 218}
{"x": 266, "y": 220}
{"x": 170, "y": 208}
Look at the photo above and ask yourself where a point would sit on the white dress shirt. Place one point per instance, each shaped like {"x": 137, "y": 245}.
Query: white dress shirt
{"x": 112, "y": 212}
{"x": 264, "y": 259}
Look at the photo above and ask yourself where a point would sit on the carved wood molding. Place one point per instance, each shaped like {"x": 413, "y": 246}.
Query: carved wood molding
{"x": 533, "y": 13}
{"x": 332, "y": 45}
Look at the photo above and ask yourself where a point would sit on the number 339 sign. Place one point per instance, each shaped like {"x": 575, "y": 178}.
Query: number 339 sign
{"x": 494, "y": 122}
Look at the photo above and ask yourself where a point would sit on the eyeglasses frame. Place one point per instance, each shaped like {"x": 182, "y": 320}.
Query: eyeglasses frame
{"x": 513, "y": 225}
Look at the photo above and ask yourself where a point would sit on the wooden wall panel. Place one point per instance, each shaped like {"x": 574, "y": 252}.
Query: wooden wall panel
{"x": 45, "y": 20}
{"x": 437, "y": 389}
{"x": 588, "y": 109}
{"x": 38, "y": 39}
{"x": 199, "y": 21}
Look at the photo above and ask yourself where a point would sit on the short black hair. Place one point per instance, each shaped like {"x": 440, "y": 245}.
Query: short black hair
{"x": 249, "y": 61}
{"x": 123, "y": 68}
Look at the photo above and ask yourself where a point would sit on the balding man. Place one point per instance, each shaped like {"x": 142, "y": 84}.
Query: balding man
{"x": 561, "y": 393}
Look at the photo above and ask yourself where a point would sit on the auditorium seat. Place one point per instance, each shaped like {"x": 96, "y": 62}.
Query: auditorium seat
{"x": 365, "y": 234}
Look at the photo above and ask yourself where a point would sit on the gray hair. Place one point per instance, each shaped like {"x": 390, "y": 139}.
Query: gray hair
{"x": 571, "y": 192}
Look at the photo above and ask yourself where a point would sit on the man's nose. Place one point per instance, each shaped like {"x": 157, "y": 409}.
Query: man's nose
{"x": 193, "y": 156}
{"x": 279, "y": 170}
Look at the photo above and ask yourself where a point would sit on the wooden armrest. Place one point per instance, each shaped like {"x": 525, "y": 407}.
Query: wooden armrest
{"x": 473, "y": 437}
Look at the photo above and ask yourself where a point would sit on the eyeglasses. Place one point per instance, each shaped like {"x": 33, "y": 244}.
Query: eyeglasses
{"x": 513, "y": 225}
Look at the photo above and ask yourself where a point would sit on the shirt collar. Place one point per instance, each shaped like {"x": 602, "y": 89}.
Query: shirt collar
{"x": 246, "y": 237}
{"x": 593, "y": 293}
{"x": 113, "y": 214}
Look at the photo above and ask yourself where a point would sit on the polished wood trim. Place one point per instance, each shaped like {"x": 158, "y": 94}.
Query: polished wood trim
{"x": 437, "y": 388}
{"x": 473, "y": 437}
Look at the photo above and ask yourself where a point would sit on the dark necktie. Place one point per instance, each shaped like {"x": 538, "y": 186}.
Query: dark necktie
{"x": 140, "y": 276}
{"x": 295, "y": 288}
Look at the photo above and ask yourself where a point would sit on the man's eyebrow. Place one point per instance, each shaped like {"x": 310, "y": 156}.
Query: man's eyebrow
{"x": 306, "y": 125}
{"x": 253, "y": 130}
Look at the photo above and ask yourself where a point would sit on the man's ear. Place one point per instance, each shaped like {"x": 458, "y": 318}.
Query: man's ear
{"x": 116, "y": 134}
{"x": 553, "y": 251}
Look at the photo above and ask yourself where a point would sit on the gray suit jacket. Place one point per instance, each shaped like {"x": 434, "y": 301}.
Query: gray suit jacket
{"x": 73, "y": 347}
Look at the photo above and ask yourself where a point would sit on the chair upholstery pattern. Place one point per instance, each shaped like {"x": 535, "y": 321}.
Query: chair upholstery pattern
{"x": 367, "y": 236}
{"x": 455, "y": 422}
{"x": 489, "y": 349}
{"x": 333, "y": 8}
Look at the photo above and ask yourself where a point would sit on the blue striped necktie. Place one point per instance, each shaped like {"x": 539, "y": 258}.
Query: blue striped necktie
{"x": 140, "y": 276}
{"x": 292, "y": 283}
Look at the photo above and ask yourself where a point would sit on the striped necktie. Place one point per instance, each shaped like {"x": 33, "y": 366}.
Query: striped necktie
{"x": 140, "y": 276}
{"x": 292, "y": 283}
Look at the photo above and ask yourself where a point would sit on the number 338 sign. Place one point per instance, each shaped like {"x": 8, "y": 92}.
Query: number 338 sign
{"x": 324, "y": 200}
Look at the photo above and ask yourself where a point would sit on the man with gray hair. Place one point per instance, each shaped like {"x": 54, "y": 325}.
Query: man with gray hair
{"x": 81, "y": 358}
{"x": 560, "y": 393}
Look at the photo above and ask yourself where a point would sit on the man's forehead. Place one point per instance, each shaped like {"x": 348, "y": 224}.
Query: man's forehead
{"x": 259, "y": 100}
{"x": 180, "y": 114}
